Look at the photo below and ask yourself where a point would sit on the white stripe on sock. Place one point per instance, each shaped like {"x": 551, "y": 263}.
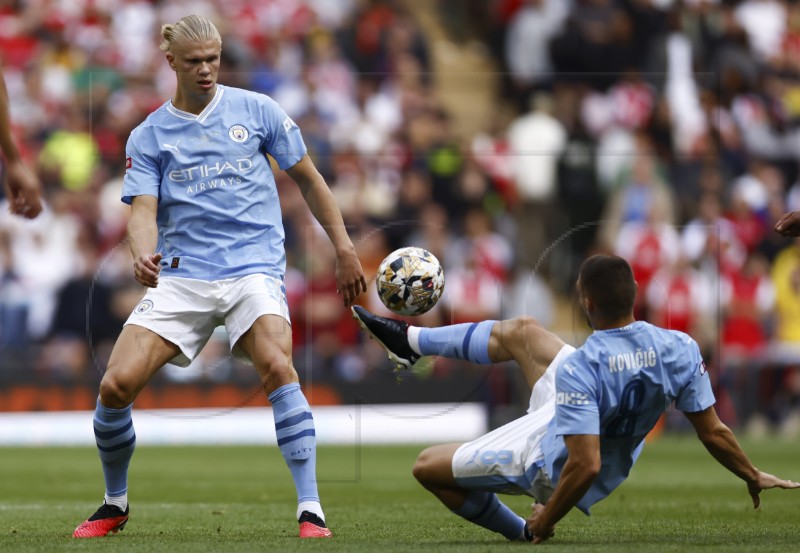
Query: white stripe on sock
{"x": 413, "y": 338}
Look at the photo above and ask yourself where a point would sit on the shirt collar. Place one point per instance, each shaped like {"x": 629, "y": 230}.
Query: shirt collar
{"x": 203, "y": 115}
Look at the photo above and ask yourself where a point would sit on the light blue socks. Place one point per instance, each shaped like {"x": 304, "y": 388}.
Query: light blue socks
{"x": 484, "y": 509}
{"x": 116, "y": 440}
{"x": 468, "y": 341}
{"x": 297, "y": 441}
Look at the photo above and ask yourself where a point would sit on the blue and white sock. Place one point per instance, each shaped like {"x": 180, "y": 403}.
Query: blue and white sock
{"x": 468, "y": 341}
{"x": 116, "y": 440}
{"x": 484, "y": 509}
{"x": 297, "y": 441}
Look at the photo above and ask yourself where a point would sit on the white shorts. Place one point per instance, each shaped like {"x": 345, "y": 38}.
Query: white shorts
{"x": 186, "y": 311}
{"x": 509, "y": 459}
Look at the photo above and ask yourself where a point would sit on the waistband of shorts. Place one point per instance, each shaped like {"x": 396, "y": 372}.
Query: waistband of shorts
{"x": 222, "y": 280}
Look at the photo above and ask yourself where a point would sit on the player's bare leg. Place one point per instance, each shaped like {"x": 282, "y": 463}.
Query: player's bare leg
{"x": 137, "y": 355}
{"x": 268, "y": 343}
{"x": 527, "y": 342}
{"x": 434, "y": 470}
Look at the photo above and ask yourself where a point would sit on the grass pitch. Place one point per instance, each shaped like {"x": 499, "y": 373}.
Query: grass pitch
{"x": 232, "y": 499}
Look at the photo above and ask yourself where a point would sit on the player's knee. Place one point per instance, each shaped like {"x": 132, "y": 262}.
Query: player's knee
{"x": 424, "y": 468}
{"x": 276, "y": 372}
{"x": 116, "y": 392}
{"x": 525, "y": 325}
{"x": 525, "y": 329}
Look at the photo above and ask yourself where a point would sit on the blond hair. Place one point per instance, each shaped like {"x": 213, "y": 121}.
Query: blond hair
{"x": 192, "y": 28}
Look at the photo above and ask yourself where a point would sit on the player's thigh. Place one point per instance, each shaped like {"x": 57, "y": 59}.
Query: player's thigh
{"x": 138, "y": 353}
{"x": 527, "y": 342}
{"x": 434, "y": 466}
{"x": 544, "y": 390}
{"x": 268, "y": 344}
{"x": 507, "y": 459}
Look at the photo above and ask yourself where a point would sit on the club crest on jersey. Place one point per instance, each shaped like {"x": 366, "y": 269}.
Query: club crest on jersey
{"x": 238, "y": 133}
{"x": 143, "y": 307}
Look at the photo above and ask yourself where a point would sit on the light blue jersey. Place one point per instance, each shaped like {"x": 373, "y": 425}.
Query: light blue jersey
{"x": 616, "y": 386}
{"x": 218, "y": 210}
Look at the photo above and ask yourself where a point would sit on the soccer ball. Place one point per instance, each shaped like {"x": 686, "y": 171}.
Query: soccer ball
{"x": 410, "y": 281}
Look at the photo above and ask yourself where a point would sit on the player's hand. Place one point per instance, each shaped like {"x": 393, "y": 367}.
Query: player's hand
{"x": 789, "y": 224}
{"x": 536, "y": 525}
{"x": 24, "y": 192}
{"x": 350, "y": 281}
{"x": 146, "y": 269}
{"x": 765, "y": 482}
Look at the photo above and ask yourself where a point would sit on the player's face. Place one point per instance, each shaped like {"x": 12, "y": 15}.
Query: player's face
{"x": 196, "y": 65}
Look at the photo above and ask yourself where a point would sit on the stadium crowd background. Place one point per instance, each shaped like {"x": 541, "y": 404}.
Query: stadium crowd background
{"x": 662, "y": 130}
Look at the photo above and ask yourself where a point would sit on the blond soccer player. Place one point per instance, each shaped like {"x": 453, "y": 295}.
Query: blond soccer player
{"x": 208, "y": 243}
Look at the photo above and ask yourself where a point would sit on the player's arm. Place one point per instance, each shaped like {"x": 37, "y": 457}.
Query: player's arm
{"x": 22, "y": 186}
{"x": 350, "y": 281}
{"x": 143, "y": 240}
{"x": 577, "y": 419}
{"x": 580, "y": 470}
{"x": 723, "y": 446}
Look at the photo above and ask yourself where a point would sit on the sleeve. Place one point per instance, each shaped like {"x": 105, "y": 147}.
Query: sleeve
{"x": 283, "y": 140}
{"x": 576, "y": 399}
{"x": 696, "y": 395}
{"x": 142, "y": 172}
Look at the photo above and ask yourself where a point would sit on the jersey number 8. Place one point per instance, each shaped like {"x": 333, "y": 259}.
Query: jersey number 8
{"x": 624, "y": 423}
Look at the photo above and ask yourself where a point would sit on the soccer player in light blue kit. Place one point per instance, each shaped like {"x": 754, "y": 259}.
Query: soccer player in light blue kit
{"x": 207, "y": 240}
{"x": 590, "y": 408}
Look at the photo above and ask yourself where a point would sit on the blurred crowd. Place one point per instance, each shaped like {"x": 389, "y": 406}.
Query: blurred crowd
{"x": 674, "y": 126}
{"x": 663, "y": 130}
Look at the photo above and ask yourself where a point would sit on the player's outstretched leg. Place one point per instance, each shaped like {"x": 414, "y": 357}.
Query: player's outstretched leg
{"x": 405, "y": 344}
{"x": 521, "y": 339}
{"x": 434, "y": 470}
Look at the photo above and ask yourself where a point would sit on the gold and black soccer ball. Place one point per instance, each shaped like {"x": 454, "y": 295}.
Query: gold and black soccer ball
{"x": 410, "y": 281}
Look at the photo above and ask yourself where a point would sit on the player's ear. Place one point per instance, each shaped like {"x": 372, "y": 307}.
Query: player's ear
{"x": 171, "y": 61}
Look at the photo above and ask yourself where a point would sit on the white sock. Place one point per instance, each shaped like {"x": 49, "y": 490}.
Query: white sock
{"x": 413, "y": 338}
{"x": 120, "y": 501}
{"x": 311, "y": 507}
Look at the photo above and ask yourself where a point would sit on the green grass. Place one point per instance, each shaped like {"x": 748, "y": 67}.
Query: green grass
{"x": 204, "y": 499}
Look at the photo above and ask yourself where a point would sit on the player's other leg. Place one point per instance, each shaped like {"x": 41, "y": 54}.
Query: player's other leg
{"x": 434, "y": 470}
{"x": 467, "y": 477}
{"x": 137, "y": 355}
{"x": 268, "y": 343}
{"x": 521, "y": 339}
